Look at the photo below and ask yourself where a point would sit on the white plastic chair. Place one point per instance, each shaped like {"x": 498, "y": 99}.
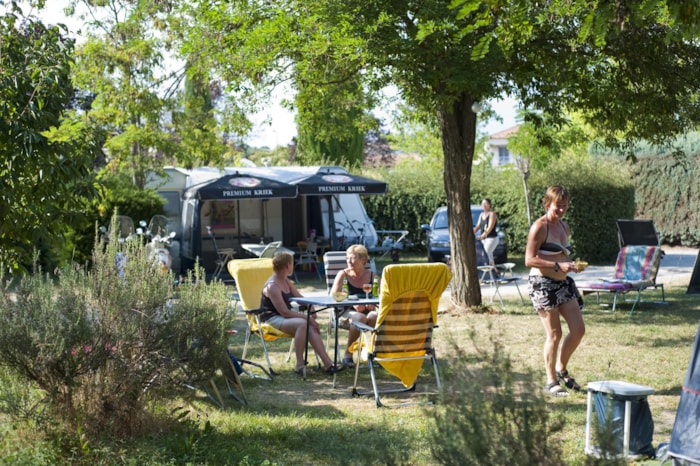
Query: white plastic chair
{"x": 308, "y": 255}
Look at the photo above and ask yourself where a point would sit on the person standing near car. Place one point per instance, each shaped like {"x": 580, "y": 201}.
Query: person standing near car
{"x": 486, "y": 230}
{"x": 553, "y": 293}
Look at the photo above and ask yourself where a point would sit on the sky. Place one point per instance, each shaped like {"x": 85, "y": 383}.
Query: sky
{"x": 280, "y": 130}
{"x": 275, "y": 126}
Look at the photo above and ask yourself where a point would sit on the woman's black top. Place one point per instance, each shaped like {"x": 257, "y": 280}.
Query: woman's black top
{"x": 484, "y": 225}
{"x": 359, "y": 291}
{"x": 267, "y": 309}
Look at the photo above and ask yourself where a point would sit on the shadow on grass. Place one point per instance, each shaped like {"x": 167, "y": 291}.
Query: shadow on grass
{"x": 295, "y": 421}
{"x": 294, "y": 440}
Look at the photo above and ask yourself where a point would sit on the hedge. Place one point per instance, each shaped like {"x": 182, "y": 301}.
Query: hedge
{"x": 601, "y": 192}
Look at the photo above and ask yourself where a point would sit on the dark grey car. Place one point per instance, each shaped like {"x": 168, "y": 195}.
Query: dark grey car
{"x": 438, "y": 238}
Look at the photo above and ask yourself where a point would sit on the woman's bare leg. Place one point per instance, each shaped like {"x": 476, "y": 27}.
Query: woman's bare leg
{"x": 574, "y": 320}
{"x": 353, "y": 333}
{"x": 552, "y": 328}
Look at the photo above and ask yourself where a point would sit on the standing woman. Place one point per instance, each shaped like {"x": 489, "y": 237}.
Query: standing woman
{"x": 554, "y": 294}
{"x": 487, "y": 226}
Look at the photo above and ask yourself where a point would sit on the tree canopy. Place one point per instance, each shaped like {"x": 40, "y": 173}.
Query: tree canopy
{"x": 628, "y": 67}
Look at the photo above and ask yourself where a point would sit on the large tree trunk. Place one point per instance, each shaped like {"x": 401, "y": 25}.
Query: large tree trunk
{"x": 458, "y": 134}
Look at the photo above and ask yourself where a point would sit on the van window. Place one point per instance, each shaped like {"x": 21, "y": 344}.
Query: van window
{"x": 172, "y": 203}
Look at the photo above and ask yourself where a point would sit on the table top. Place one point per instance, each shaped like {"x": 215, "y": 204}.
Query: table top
{"x": 328, "y": 301}
{"x": 257, "y": 249}
{"x": 619, "y": 387}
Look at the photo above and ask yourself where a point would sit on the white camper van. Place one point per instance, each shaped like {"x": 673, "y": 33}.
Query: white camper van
{"x": 243, "y": 205}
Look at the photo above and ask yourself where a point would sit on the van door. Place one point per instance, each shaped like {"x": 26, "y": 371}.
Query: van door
{"x": 293, "y": 221}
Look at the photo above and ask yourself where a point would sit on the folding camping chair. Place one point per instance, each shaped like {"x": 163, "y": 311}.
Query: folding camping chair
{"x": 635, "y": 271}
{"x": 250, "y": 276}
{"x": 639, "y": 232}
{"x": 333, "y": 262}
{"x": 223, "y": 256}
{"x": 231, "y": 369}
{"x": 308, "y": 255}
{"x": 500, "y": 275}
{"x": 402, "y": 338}
{"x": 496, "y": 276}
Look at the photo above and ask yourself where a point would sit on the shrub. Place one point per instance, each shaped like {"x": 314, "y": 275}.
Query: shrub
{"x": 416, "y": 189}
{"x": 668, "y": 194}
{"x": 99, "y": 342}
{"x": 491, "y": 414}
{"x": 601, "y": 192}
{"x": 486, "y": 416}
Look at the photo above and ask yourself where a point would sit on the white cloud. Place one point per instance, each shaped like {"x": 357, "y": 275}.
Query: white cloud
{"x": 506, "y": 108}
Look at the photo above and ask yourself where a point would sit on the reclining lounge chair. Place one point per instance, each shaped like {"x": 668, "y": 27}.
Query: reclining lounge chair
{"x": 635, "y": 271}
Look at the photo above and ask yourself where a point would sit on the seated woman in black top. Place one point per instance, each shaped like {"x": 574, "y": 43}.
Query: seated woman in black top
{"x": 356, "y": 275}
{"x": 277, "y": 311}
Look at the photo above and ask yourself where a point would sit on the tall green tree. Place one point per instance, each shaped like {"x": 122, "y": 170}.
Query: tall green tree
{"x": 337, "y": 138}
{"x": 149, "y": 117}
{"x": 121, "y": 63}
{"x": 45, "y": 156}
{"x": 630, "y": 67}
{"x": 196, "y": 130}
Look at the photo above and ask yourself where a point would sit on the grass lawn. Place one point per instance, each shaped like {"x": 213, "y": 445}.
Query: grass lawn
{"x": 295, "y": 421}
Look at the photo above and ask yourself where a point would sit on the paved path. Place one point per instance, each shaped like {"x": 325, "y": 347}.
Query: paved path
{"x": 675, "y": 270}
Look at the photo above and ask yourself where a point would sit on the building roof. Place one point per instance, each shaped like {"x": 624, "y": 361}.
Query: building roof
{"x": 506, "y": 133}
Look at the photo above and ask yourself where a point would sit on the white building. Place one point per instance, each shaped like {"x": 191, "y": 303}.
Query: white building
{"x": 497, "y": 145}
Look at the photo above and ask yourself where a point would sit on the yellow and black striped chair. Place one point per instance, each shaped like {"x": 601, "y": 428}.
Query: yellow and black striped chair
{"x": 401, "y": 340}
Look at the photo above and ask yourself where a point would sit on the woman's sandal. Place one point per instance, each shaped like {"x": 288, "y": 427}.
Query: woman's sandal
{"x": 554, "y": 389}
{"x": 300, "y": 370}
{"x": 335, "y": 368}
{"x": 349, "y": 363}
{"x": 569, "y": 382}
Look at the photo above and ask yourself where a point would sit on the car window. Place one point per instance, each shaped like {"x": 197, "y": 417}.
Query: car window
{"x": 441, "y": 220}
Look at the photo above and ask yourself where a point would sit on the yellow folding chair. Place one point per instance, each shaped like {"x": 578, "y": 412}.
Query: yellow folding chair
{"x": 401, "y": 340}
{"x": 250, "y": 276}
